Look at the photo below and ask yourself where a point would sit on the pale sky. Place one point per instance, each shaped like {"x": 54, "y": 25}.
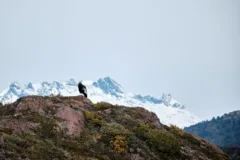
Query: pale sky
{"x": 188, "y": 48}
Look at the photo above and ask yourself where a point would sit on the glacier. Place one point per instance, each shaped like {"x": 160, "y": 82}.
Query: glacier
{"x": 168, "y": 110}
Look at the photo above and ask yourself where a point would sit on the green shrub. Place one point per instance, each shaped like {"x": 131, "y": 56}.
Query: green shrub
{"x": 29, "y": 138}
{"x": 14, "y": 143}
{"x": 116, "y": 137}
{"x": 94, "y": 118}
{"x": 164, "y": 142}
{"x": 27, "y": 145}
{"x": 176, "y": 130}
{"x": 46, "y": 150}
{"x": 190, "y": 139}
{"x": 142, "y": 131}
{"x": 126, "y": 120}
{"x": 18, "y": 145}
{"x": 48, "y": 129}
{"x": 102, "y": 105}
{"x": 131, "y": 112}
{"x": 71, "y": 145}
{"x": 114, "y": 129}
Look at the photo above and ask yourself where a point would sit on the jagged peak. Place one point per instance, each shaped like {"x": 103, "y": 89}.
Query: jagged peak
{"x": 29, "y": 86}
{"x": 148, "y": 98}
{"x": 15, "y": 84}
{"x": 13, "y": 90}
{"x": 166, "y": 98}
{"x": 110, "y": 80}
{"x": 71, "y": 82}
{"x": 56, "y": 85}
{"x": 44, "y": 83}
{"x": 108, "y": 85}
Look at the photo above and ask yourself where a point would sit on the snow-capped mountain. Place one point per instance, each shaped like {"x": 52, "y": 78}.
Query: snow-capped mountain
{"x": 169, "y": 110}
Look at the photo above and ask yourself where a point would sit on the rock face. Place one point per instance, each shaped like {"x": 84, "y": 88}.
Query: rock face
{"x": 42, "y": 128}
{"x": 69, "y": 110}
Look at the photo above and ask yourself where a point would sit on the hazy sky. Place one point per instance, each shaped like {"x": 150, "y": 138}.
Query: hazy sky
{"x": 188, "y": 48}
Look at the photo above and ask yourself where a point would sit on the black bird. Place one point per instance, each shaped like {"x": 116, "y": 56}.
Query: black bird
{"x": 82, "y": 89}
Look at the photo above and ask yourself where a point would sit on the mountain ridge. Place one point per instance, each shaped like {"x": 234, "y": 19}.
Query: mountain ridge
{"x": 108, "y": 90}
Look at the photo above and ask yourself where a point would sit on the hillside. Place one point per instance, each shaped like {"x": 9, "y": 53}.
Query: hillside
{"x": 108, "y": 90}
{"x": 61, "y": 128}
{"x": 223, "y": 131}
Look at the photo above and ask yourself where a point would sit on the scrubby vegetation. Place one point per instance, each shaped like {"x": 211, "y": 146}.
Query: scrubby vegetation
{"x": 103, "y": 106}
{"x": 110, "y": 132}
{"x": 177, "y": 130}
{"x": 94, "y": 118}
{"x": 42, "y": 143}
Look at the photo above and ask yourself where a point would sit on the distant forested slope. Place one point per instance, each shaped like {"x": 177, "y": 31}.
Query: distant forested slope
{"x": 223, "y": 131}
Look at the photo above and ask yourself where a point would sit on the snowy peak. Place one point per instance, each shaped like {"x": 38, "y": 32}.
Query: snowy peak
{"x": 29, "y": 86}
{"x": 15, "y": 89}
{"x": 166, "y": 98}
{"x": 109, "y": 86}
{"x": 169, "y": 101}
{"x": 14, "y": 85}
{"x": 148, "y": 98}
{"x": 169, "y": 110}
{"x": 56, "y": 85}
{"x": 71, "y": 82}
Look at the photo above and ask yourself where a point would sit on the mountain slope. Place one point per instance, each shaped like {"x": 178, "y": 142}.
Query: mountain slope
{"x": 108, "y": 90}
{"x": 71, "y": 128}
{"x": 223, "y": 131}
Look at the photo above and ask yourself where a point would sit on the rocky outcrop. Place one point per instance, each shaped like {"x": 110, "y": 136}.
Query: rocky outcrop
{"x": 58, "y": 127}
{"x": 68, "y": 109}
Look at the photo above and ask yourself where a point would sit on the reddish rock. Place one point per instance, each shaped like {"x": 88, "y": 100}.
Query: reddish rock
{"x": 74, "y": 120}
{"x": 68, "y": 109}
